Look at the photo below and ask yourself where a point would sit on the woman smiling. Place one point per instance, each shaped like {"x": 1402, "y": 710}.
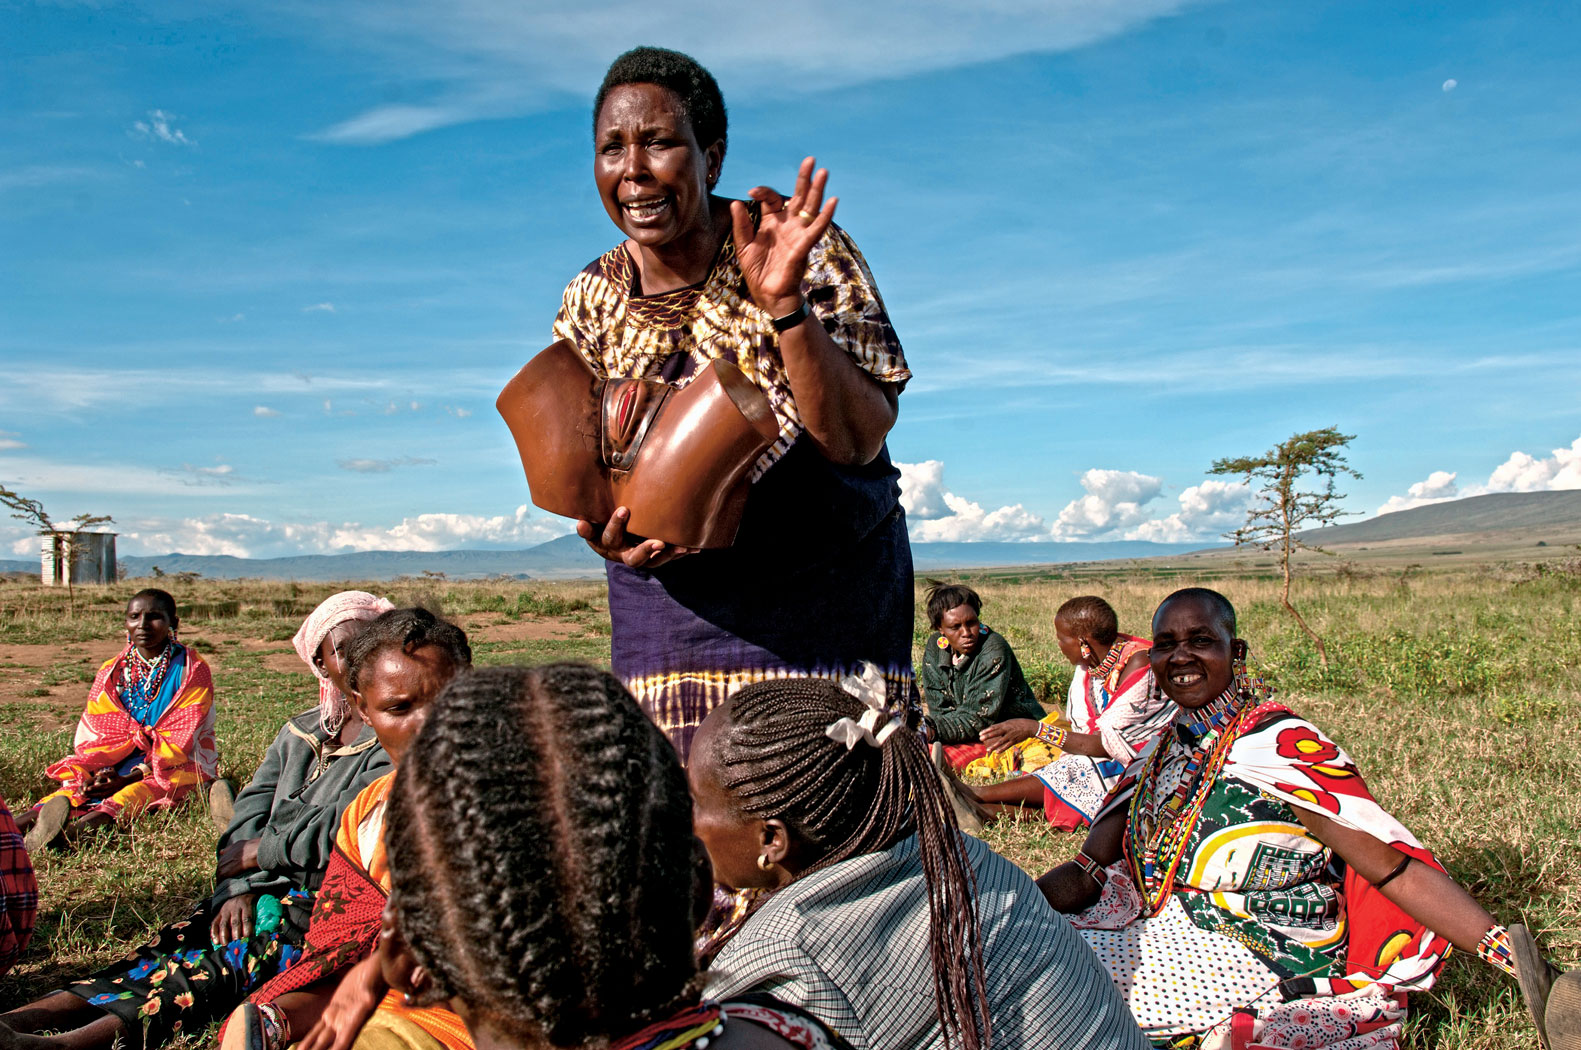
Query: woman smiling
{"x": 1242, "y": 885}
{"x": 819, "y": 578}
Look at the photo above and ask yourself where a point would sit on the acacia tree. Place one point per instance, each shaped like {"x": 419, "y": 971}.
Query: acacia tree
{"x": 1276, "y": 519}
{"x": 32, "y": 512}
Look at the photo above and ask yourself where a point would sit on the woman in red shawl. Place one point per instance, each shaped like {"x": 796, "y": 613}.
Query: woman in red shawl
{"x": 146, "y": 738}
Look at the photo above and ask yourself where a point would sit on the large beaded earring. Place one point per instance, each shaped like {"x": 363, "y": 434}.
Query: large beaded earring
{"x": 1086, "y": 652}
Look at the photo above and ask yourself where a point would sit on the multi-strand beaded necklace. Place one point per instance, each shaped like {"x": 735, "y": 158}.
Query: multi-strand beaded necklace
{"x": 1156, "y": 839}
{"x": 1112, "y": 657}
{"x": 143, "y": 678}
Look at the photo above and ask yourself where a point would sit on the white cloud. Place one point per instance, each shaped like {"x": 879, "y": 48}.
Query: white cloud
{"x": 1521, "y": 472}
{"x": 382, "y": 466}
{"x": 1524, "y": 473}
{"x": 1438, "y": 487}
{"x": 319, "y": 308}
{"x": 937, "y": 515}
{"x": 47, "y": 478}
{"x": 482, "y": 59}
{"x": 1115, "y": 500}
{"x": 459, "y": 413}
{"x": 265, "y": 412}
{"x": 247, "y": 536}
{"x": 10, "y": 440}
{"x": 158, "y": 126}
{"x": 1207, "y": 511}
{"x": 1450, "y": 85}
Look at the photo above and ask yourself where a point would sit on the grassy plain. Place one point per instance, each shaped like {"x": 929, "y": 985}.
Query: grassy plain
{"x": 1457, "y": 692}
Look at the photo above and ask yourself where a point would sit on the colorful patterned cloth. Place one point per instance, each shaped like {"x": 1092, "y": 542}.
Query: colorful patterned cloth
{"x": 173, "y": 739}
{"x": 181, "y": 982}
{"x": 1256, "y": 914}
{"x": 345, "y": 925}
{"x": 700, "y": 1024}
{"x": 819, "y": 578}
{"x": 18, "y": 891}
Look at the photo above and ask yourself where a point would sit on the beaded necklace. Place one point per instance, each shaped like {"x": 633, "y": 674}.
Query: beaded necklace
{"x": 1112, "y": 657}
{"x": 1156, "y": 840}
{"x": 695, "y": 1027}
{"x": 143, "y": 678}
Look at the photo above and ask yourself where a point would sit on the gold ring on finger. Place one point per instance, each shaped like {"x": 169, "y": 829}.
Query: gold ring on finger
{"x": 806, "y": 216}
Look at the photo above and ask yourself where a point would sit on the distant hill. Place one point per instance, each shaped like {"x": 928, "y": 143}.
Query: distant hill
{"x": 1498, "y": 512}
{"x": 1494, "y": 526}
{"x": 567, "y": 557}
{"x": 933, "y": 557}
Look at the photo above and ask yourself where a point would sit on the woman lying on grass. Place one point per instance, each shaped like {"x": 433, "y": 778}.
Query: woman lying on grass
{"x": 1241, "y": 884}
{"x": 876, "y": 914}
{"x": 270, "y": 860}
{"x": 970, "y": 676}
{"x": 545, "y": 878}
{"x": 395, "y": 668}
{"x": 1113, "y": 711}
{"x": 146, "y": 738}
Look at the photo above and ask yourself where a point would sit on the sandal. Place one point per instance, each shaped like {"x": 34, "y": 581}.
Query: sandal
{"x": 1562, "y": 1018}
{"x": 222, "y": 803}
{"x": 1536, "y": 978}
{"x": 48, "y": 824}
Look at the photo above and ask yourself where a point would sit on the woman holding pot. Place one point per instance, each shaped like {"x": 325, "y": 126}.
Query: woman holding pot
{"x": 819, "y": 578}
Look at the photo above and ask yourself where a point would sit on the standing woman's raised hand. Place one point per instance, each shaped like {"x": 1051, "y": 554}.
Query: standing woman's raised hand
{"x": 773, "y": 257}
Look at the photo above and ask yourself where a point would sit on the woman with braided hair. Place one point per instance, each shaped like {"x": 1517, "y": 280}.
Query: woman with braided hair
{"x": 874, "y": 912}
{"x": 545, "y": 880}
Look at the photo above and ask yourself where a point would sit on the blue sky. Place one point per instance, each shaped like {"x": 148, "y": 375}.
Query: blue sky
{"x": 264, "y": 266}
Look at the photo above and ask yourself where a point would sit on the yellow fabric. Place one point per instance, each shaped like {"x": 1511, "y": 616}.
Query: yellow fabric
{"x": 391, "y": 1031}
{"x": 1029, "y": 755}
{"x": 129, "y": 801}
{"x": 363, "y": 822}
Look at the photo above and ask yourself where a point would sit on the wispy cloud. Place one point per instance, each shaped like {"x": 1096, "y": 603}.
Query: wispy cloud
{"x": 10, "y": 440}
{"x": 265, "y": 412}
{"x": 319, "y": 308}
{"x": 494, "y": 58}
{"x": 189, "y": 474}
{"x": 159, "y": 127}
{"x": 47, "y": 478}
{"x": 34, "y": 175}
{"x": 382, "y": 466}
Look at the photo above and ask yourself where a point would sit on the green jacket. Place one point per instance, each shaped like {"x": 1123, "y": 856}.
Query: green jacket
{"x": 293, "y": 803}
{"x": 988, "y": 688}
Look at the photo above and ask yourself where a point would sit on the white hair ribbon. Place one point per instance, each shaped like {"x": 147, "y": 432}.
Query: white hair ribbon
{"x": 877, "y": 723}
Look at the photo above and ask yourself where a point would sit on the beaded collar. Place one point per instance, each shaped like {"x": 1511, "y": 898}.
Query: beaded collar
{"x": 1192, "y": 726}
{"x": 694, "y": 1027}
{"x": 1112, "y": 657}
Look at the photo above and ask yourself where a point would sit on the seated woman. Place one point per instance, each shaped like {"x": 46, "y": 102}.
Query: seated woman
{"x": 396, "y": 666}
{"x": 545, "y": 879}
{"x": 874, "y": 912}
{"x": 269, "y": 863}
{"x": 146, "y": 738}
{"x": 1112, "y": 712}
{"x": 970, "y": 676}
{"x": 1242, "y": 885}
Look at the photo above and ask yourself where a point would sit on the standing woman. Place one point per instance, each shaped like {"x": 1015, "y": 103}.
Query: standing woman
{"x": 819, "y": 578}
{"x": 146, "y": 738}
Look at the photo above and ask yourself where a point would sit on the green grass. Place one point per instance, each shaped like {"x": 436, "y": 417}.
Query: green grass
{"x": 1457, "y": 692}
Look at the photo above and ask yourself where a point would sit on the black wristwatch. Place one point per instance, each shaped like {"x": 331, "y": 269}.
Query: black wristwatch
{"x": 792, "y": 319}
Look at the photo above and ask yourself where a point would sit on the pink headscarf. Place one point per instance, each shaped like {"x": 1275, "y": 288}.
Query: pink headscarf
{"x": 331, "y": 613}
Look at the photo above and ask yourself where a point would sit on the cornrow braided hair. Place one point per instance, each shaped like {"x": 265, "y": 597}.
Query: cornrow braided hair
{"x": 775, "y": 759}
{"x": 1092, "y": 614}
{"x": 542, "y": 862}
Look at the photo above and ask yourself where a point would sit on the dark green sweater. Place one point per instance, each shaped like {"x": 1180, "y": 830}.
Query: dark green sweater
{"x": 988, "y": 688}
{"x": 293, "y": 803}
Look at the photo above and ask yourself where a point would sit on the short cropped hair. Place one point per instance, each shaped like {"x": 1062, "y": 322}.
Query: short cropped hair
{"x": 681, "y": 75}
{"x": 1219, "y": 603}
{"x": 942, "y": 597}
{"x": 1092, "y": 616}
{"x": 407, "y": 630}
{"x": 163, "y": 599}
